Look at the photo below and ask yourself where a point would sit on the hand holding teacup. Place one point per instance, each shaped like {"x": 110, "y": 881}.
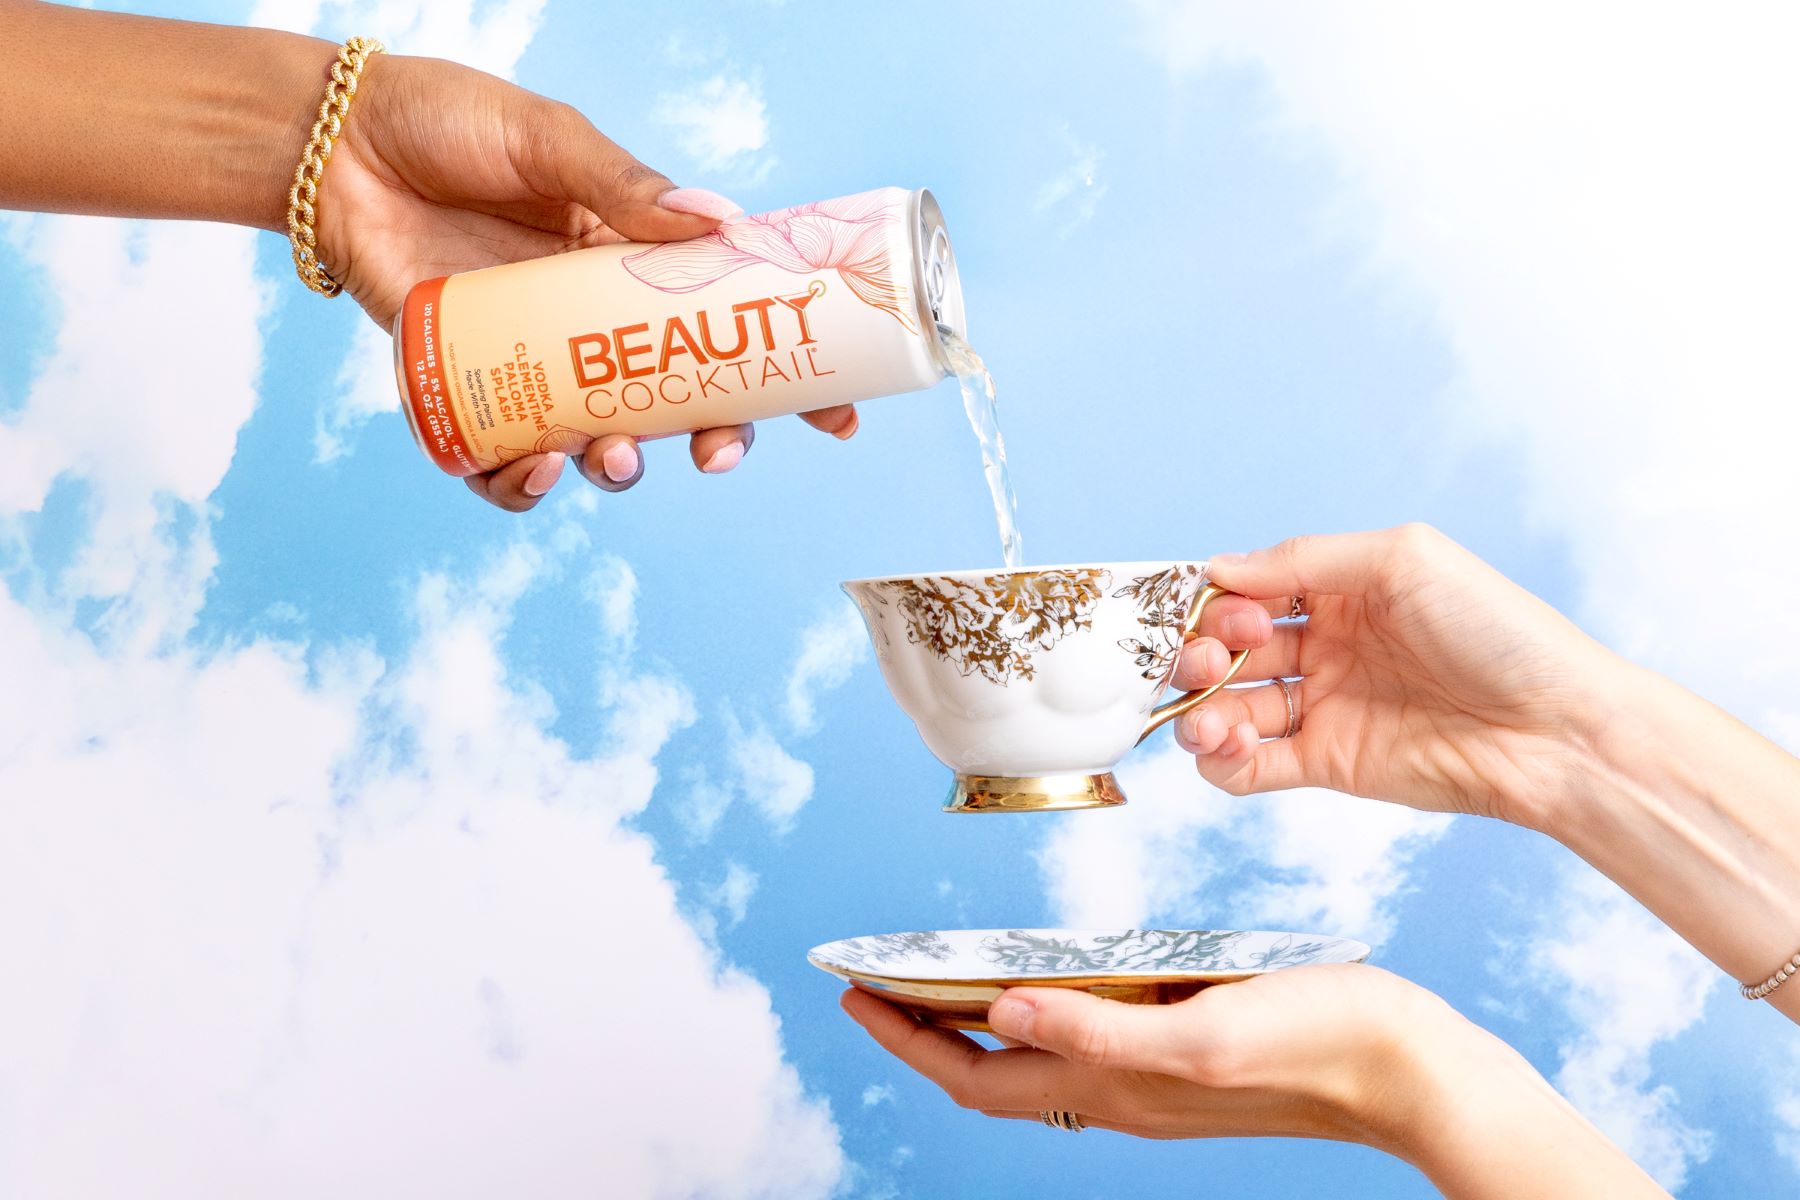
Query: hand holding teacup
{"x": 1419, "y": 675}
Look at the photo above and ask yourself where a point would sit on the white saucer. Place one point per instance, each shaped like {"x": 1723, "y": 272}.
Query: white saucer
{"x": 949, "y": 977}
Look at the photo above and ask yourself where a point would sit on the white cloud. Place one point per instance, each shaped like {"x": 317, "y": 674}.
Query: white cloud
{"x": 732, "y": 895}
{"x": 615, "y": 589}
{"x": 682, "y": 49}
{"x": 765, "y": 774}
{"x": 759, "y": 771}
{"x": 139, "y": 401}
{"x": 722, "y": 124}
{"x": 1787, "y": 1112}
{"x": 492, "y": 41}
{"x": 830, "y": 649}
{"x": 365, "y": 388}
{"x": 1610, "y": 255}
{"x": 1611, "y": 258}
{"x": 1627, "y": 983}
{"x": 271, "y": 900}
{"x": 878, "y": 1093}
{"x": 1072, "y": 196}
{"x": 1322, "y": 863}
{"x": 703, "y": 803}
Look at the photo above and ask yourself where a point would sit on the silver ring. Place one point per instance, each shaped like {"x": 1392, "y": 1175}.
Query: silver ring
{"x": 1297, "y": 609}
{"x": 1287, "y": 694}
{"x": 1058, "y": 1118}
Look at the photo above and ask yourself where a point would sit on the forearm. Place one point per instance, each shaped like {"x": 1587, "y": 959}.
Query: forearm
{"x": 1486, "y": 1126}
{"x": 1698, "y": 817}
{"x": 121, "y": 115}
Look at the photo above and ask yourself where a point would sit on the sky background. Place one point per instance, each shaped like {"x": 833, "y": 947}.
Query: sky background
{"x": 361, "y": 839}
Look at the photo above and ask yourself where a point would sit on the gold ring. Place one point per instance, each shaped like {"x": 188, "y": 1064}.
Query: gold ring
{"x": 1058, "y": 1118}
{"x": 1293, "y": 714}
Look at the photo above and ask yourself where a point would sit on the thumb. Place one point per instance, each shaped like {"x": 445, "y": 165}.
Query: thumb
{"x": 575, "y": 161}
{"x": 1344, "y": 564}
{"x": 1093, "y": 1032}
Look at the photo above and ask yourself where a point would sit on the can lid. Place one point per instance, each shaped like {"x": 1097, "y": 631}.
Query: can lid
{"x": 939, "y": 286}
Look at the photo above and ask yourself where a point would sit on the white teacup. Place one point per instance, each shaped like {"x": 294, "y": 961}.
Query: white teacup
{"x": 1032, "y": 684}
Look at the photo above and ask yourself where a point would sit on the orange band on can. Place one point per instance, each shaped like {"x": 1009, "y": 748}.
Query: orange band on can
{"x": 423, "y": 372}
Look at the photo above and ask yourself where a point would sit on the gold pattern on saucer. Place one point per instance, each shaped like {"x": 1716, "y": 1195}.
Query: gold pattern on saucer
{"x": 1037, "y": 793}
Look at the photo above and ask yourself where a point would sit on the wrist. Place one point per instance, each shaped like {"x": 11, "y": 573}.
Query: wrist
{"x": 174, "y": 119}
{"x": 1410, "y": 1075}
{"x": 263, "y": 122}
{"x": 1695, "y": 815}
{"x": 1482, "y": 1124}
{"x": 1578, "y": 745}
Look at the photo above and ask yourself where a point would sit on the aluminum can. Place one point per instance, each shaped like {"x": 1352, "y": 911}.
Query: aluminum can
{"x": 785, "y": 312}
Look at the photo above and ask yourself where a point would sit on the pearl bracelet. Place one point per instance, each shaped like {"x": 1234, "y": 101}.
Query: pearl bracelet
{"x": 1757, "y": 991}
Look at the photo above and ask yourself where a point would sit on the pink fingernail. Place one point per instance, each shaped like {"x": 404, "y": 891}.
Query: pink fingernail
{"x": 620, "y": 462}
{"x": 724, "y": 458}
{"x": 543, "y": 477}
{"x": 1012, "y": 1016}
{"x": 699, "y": 202}
{"x": 1229, "y": 560}
{"x": 1241, "y": 627}
{"x": 849, "y": 428}
{"x": 1185, "y": 732}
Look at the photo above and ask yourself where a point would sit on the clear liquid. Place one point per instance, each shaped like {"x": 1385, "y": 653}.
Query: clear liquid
{"x": 984, "y": 418}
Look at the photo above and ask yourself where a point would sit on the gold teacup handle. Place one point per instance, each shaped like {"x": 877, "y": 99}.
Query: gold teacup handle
{"x": 1163, "y": 714}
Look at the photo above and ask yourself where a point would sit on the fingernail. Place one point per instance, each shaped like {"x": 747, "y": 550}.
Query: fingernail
{"x": 1187, "y": 732}
{"x": 1229, "y": 560}
{"x": 724, "y": 458}
{"x": 1241, "y": 627}
{"x": 620, "y": 462}
{"x": 1012, "y": 1016}
{"x": 699, "y": 202}
{"x": 849, "y": 428}
{"x": 544, "y": 476}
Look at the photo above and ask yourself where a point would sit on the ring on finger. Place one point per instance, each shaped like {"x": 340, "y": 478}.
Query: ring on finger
{"x": 1293, "y": 713}
{"x": 1058, "y": 1118}
{"x": 1297, "y": 608}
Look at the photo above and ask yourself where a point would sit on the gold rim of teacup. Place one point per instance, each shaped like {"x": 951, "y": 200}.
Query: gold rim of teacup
{"x": 1139, "y": 565}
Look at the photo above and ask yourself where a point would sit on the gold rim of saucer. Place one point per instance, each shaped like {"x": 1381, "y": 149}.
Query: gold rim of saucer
{"x": 1032, "y": 793}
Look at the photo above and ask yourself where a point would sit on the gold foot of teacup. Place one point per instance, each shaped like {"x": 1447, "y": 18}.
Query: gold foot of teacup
{"x": 1037, "y": 793}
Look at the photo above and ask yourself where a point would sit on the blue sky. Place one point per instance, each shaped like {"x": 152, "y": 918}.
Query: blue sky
{"x": 387, "y": 779}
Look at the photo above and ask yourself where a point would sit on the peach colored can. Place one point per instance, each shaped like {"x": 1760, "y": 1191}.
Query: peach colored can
{"x": 790, "y": 311}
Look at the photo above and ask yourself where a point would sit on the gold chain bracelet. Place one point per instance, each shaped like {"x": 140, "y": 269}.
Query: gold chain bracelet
{"x": 303, "y": 197}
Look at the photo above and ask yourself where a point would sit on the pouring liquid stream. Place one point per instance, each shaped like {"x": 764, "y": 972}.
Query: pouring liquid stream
{"x": 984, "y": 418}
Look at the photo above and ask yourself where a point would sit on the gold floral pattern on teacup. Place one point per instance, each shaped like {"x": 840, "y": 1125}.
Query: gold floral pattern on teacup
{"x": 994, "y": 626}
{"x": 1163, "y": 599}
